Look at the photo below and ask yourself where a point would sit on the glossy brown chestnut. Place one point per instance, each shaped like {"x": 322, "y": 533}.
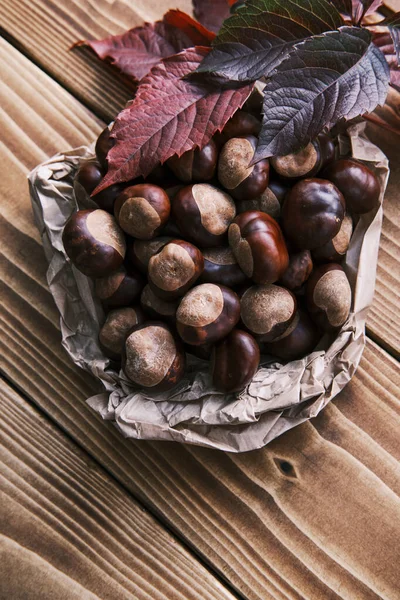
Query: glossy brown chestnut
{"x": 259, "y": 247}
{"x": 241, "y": 181}
{"x": 297, "y": 341}
{"x": 195, "y": 165}
{"x": 141, "y": 251}
{"x": 153, "y": 357}
{"x": 157, "y": 308}
{"x": 328, "y": 295}
{"x": 298, "y": 271}
{"x": 174, "y": 269}
{"x": 121, "y": 288}
{"x": 312, "y": 213}
{"x": 94, "y": 242}
{"x": 267, "y": 311}
{"x": 203, "y": 214}
{"x": 328, "y": 148}
{"x": 241, "y": 124}
{"x": 270, "y": 201}
{"x": 142, "y": 210}
{"x": 116, "y": 327}
{"x": 304, "y": 163}
{"x": 89, "y": 175}
{"x": 220, "y": 266}
{"x": 358, "y": 184}
{"x": 207, "y": 313}
{"x": 308, "y": 161}
{"x": 234, "y": 361}
{"x": 335, "y": 250}
{"x": 103, "y": 145}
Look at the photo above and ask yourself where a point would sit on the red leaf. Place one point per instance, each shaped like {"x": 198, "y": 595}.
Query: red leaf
{"x": 212, "y": 13}
{"x": 193, "y": 29}
{"x": 168, "y": 116}
{"x": 138, "y": 50}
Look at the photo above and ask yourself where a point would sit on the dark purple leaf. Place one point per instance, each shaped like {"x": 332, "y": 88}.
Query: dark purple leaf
{"x": 259, "y": 35}
{"x": 340, "y": 74}
{"x": 138, "y": 50}
{"x": 211, "y": 13}
{"x": 168, "y": 116}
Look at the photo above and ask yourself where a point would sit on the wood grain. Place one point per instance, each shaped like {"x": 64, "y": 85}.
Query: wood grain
{"x": 46, "y": 29}
{"x": 278, "y": 523}
{"x": 383, "y": 321}
{"x": 70, "y": 531}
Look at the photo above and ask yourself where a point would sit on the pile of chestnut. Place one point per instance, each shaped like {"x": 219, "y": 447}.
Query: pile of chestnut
{"x": 219, "y": 259}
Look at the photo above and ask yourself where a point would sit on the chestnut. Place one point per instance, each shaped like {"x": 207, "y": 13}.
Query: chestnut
{"x": 298, "y": 271}
{"x": 121, "y": 288}
{"x": 94, "y": 242}
{"x": 328, "y": 149}
{"x": 235, "y": 361}
{"x": 89, "y": 175}
{"x": 220, "y": 266}
{"x": 328, "y": 296}
{"x": 241, "y": 181}
{"x": 358, "y": 184}
{"x": 312, "y": 213}
{"x": 241, "y": 124}
{"x": 270, "y": 201}
{"x": 104, "y": 144}
{"x": 153, "y": 357}
{"x": 299, "y": 339}
{"x": 207, "y": 313}
{"x": 196, "y": 164}
{"x": 306, "y": 162}
{"x": 203, "y": 214}
{"x": 335, "y": 250}
{"x": 141, "y": 251}
{"x": 115, "y": 329}
{"x": 267, "y": 311}
{"x": 157, "y": 308}
{"x": 174, "y": 269}
{"x": 142, "y": 210}
{"x": 259, "y": 247}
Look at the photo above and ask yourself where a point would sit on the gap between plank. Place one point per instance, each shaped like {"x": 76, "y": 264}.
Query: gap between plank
{"x": 157, "y": 515}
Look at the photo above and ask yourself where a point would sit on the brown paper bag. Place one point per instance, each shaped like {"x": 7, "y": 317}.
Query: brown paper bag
{"x": 280, "y": 396}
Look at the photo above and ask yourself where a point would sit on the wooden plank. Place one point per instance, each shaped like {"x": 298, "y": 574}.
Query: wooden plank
{"x": 68, "y": 530}
{"x": 46, "y": 29}
{"x": 269, "y": 534}
{"x": 383, "y": 322}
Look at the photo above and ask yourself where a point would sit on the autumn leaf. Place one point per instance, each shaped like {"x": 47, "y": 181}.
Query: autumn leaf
{"x": 211, "y": 13}
{"x": 259, "y": 35}
{"x": 340, "y": 74}
{"x": 138, "y": 50}
{"x": 168, "y": 116}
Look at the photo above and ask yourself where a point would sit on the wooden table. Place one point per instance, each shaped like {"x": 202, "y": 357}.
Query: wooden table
{"x": 87, "y": 515}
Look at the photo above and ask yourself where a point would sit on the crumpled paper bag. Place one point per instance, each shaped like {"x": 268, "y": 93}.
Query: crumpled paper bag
{"x": 280, "y": 396}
